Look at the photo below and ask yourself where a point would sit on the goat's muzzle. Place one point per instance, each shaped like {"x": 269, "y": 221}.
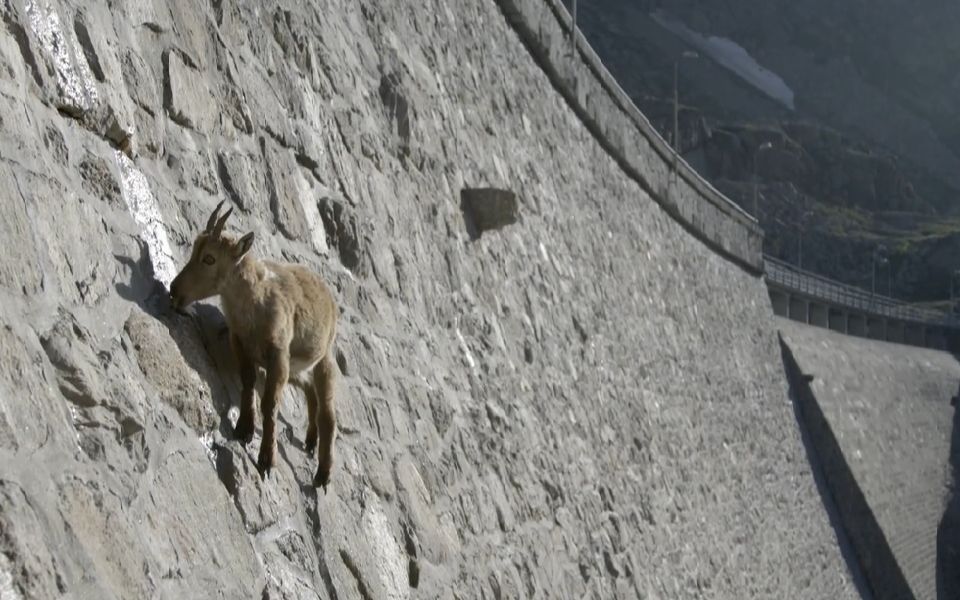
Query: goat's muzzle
{"x": 176, "y": 299}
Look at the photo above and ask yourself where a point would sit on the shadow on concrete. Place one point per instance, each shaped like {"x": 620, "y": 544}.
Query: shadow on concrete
{"x": 200, "y": 333}
{"x": 473, "y": 231}
{"x": 948, "y": 532}
{"x": 864, "y": 547}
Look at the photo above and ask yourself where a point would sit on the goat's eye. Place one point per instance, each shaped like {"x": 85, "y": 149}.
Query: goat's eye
{"x": 209, "y": 259}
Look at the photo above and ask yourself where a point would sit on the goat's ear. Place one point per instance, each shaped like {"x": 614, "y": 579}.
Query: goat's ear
{"x": 243, "y": 246}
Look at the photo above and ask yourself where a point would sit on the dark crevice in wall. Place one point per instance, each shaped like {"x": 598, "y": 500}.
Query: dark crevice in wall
{"x": 864, "y": 546}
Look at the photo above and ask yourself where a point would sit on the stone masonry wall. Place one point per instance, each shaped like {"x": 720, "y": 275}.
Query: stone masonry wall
{"x": 588, "y": 402}
{"x": 887, "y": 410}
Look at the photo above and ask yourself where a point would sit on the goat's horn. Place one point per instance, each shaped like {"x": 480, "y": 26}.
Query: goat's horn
{"x": 213, "y": 218}
{"x": 218, "y": 228}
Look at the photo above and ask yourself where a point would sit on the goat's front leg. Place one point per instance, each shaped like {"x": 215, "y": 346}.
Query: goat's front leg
{"x": 248, "y": 380}
{"x": 278, "y": 369}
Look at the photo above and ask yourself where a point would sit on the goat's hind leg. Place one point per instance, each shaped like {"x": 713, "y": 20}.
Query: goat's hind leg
{"x": 310, "y": 391}
{"x": 278, "y": 370}
{"x": 326, "y": 419}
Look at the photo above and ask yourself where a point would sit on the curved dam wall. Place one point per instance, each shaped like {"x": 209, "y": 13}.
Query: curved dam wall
{"x": 884, "y": 424}
{"x": 594, "y": 95}
{"x": 588, "y": 402}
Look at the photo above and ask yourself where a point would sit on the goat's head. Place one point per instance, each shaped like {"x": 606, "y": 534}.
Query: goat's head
{"x": 213, "y": 259}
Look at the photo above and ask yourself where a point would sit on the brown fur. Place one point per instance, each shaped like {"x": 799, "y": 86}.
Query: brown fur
{"x": 282, "y": 317}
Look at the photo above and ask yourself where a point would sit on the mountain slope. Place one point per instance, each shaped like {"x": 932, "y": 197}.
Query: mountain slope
{"x": 866, "y": 146}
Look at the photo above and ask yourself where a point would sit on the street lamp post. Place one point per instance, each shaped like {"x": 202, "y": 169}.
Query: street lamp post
{"x": 878, "y": 256}
{"x": 756, "y": 183}
{"x": 953, "y": 278}
{"x": 676, "y": 107}
{"x": 885, "y": 262}
{"x": 800, "y": 226}
{"x": 573, "y": 31}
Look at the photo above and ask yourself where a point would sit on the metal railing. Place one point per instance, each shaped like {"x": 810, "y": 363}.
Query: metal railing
{"x": 785, "y": 275}
{"x": 568, "y": 20}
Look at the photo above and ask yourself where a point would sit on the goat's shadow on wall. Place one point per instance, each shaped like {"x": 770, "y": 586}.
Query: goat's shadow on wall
{"x": 202, "y": 337}
{"x": 200, "y": 333}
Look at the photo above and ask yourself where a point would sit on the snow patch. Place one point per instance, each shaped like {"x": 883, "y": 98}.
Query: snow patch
{"x": 466, "y": 351}
{"x": 733, "y": 57}
{"x": 143, "y": 206}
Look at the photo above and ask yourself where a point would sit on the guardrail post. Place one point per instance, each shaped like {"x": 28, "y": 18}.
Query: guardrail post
{"x": 573, "y": 31}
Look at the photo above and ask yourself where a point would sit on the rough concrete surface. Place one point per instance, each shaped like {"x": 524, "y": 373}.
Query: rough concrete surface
{"x": 585, "y": 403}
{"x": 889, "y": 410}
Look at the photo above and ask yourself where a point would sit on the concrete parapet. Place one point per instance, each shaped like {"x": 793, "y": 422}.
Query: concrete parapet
{"x": 805, "y": 308}
{"x": 620, "y": 127}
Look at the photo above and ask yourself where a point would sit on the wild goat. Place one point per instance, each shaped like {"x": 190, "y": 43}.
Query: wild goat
{"x": 281, "y": 317}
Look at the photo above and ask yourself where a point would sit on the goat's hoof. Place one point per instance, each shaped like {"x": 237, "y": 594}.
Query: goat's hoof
{"x": 264, "y": 466}
{"x": 321, "y": 479}
{"x": 311, "y": 444}
{"x": 243, "y": 434}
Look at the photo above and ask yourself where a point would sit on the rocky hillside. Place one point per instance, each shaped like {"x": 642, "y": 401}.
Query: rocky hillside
{"x": 557, "y": 408}
{"x": 864, "y": 155}
{"x": 885, "y": 71}
{"x": 830, "y": 203}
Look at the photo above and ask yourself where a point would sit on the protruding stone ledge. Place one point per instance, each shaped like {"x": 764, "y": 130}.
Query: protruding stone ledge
{"x": 488, "y": 208}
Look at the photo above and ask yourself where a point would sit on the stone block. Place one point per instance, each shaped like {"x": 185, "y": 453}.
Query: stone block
{"x": 186, "y": 93}
{"x": 488, "y": 208}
